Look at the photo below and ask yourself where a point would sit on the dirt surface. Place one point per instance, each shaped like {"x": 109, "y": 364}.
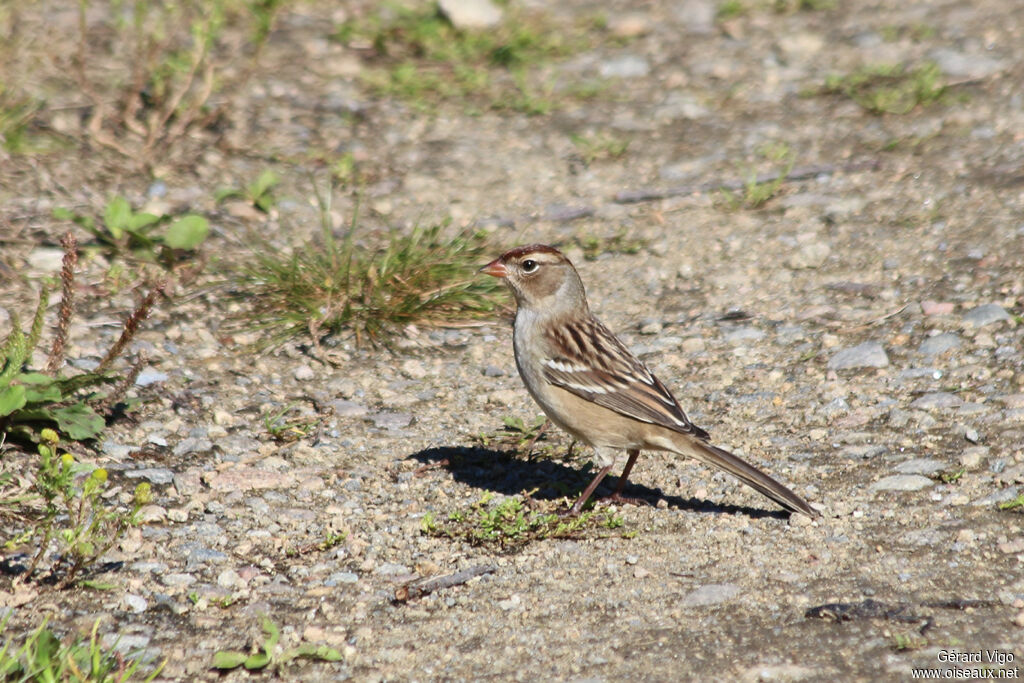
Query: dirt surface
{"x": 833, "y": 336}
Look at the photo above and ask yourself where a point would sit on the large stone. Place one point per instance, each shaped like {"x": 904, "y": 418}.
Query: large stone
{"x": 902, "y": 482}
{"x": 470, "y": 14}
{"x": 866, "y": 355}
{"x": 711, "y": 594}
{"x": 986, "y": 314}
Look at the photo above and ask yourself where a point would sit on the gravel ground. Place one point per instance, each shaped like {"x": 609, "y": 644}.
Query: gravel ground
{"x": 857, "y": 337}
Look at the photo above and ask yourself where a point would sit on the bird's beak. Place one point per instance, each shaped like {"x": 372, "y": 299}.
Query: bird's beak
{"x": 495, "y": 268}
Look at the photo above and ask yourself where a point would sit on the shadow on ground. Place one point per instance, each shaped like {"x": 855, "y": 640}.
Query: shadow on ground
{"x": 503, "y": 472}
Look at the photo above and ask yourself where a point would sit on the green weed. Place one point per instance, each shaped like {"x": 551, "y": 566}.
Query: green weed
{"x": 619, "y": 243}
{"x": 757, "y": 190}
{"x": 526, "y": 439}
{"x": 259, "y": 192}
{"x": 283, "y": 426}
{"x": 951, "y": 475}
{"x": 890, "y": 88}
{"x": 510, "y": 525}
{"x": 329, "y": 541}
{"x": 599, "y": 146}
{"x": 267, "y": 654}
{"x": 43, "y": 657}
{"x": 67, "y": 507}
{"x": 731, "y": 9}
{"x": 418, "y": 56}
{"x": 19, "y": 132}
{"x": 1014, "y": 504}
{"x": 908, "y": 641}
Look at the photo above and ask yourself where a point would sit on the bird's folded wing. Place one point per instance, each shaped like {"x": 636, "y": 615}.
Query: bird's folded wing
{"x": 589, "y": 361}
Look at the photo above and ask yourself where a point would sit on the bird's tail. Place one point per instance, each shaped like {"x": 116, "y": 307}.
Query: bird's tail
{"x": 749, "y": 475}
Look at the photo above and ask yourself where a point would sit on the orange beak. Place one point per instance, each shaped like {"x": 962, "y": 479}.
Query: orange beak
{"x": 495, "y": 268}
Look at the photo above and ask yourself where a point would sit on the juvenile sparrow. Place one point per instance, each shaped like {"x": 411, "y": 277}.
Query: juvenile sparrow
{"x": 588, "y": 383}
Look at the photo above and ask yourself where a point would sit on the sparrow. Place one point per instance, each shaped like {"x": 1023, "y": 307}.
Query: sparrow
{"x": 589, "y": 384}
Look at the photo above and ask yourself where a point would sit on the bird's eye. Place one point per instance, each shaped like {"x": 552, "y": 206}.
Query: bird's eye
{"x": 529, "y": 265}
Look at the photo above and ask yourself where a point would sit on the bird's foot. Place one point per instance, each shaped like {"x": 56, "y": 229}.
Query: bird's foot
{"x": 619, "y": 499}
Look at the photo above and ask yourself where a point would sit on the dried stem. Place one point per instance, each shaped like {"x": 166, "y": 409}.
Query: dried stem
{"x": 131, "y": 326}
{"x": 67, "y": 301}
{"x": 126, "y": 382}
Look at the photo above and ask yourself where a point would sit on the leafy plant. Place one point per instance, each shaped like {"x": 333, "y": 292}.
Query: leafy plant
{"x": 890, "y": 88}
{"x": 73, "y": 512}
{"x": 511, "y": 525}
{"x": 267, "y": 653}
{"x": 123, "y": 228}
{"x": 326, "y": 285}
{"x": 260, "y": 191}
{"x": 71, "y": 404}
{"x": 43, "y": 657}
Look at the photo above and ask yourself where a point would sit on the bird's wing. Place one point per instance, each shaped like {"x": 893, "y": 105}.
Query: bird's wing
{"x": 586, "y": 359}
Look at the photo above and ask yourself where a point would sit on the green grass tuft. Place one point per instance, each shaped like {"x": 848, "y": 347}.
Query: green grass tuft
{"x": 44, "y": 657}
{"x": 328, "y": 286}
{"x": 890, "y": 88}
{"x": 418, "y": 56}
{"x": 511, "y": 524}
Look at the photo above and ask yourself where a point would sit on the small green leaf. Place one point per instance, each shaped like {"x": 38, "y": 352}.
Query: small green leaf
{"x": 138, "y": 221}
{"x": 117, "y": 217}
{"x": 257, "y": 661}
{"x": 322, "y": 652}
{"x": 226, "y": 193}
{"x": 12, "y": 398}
{"x": 273, "y": 634}
{"x": 39, "y": 388}
{"x": 229, "y": 660}
{"x": 78, "y": 421}
{"x": 86, "y": 222}
{"x": 266, "y": 182}
{"x": 97, "y": 585}
{"x": 187, "y": 232}
{"x": 35, "y": 378}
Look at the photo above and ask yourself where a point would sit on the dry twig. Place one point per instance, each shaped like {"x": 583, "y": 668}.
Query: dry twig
{"x": 418, "y": 589}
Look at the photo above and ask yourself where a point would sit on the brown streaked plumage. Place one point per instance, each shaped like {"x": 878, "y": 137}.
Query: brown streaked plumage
{"x": 588, "y": 383}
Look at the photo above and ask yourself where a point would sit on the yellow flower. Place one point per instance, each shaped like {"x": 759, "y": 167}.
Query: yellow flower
{"x": 49, "y": 436}
{"x": 99, "y": 474}
{"x": 67, "y": 459}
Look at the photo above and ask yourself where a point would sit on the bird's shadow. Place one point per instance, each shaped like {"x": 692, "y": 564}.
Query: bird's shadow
{"x": 503, "y": 472}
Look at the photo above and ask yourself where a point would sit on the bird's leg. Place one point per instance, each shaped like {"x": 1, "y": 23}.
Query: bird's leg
{"x": 625, "y": 471}
{"x": 577, "y": 507}
{"x": 617, "y": 496}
